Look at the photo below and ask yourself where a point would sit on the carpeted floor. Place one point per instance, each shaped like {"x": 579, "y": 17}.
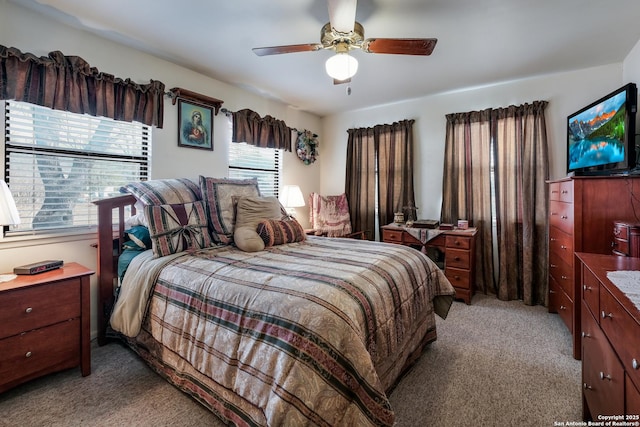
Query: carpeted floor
{"x": 495, "y": 363}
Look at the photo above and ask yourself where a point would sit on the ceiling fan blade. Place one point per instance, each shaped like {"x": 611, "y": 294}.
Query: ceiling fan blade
{"x": 400, "y": 46}
{"x": 339, "y": 82}
{"x": 292, "y": 48}
{"x": 342, "y": 14}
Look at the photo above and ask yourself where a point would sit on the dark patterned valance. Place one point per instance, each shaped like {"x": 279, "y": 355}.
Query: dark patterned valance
{"x": 68, "y": 83}
{"x": 266, "y": 131}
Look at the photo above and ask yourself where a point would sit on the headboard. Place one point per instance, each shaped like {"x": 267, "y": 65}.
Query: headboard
{"x": 112, "y": 214}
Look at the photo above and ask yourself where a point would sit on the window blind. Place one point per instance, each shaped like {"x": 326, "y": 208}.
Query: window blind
{"x": 57, "y": 163}
{"x": 248, "y": 161}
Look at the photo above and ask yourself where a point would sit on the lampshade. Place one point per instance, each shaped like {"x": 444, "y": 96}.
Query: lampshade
{"x": 8, "y": 211}
{"x": 291, "y": 196}
{"x": 341, "y": 66}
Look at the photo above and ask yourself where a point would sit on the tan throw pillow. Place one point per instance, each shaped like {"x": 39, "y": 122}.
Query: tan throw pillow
{"x": 249, "y": 212}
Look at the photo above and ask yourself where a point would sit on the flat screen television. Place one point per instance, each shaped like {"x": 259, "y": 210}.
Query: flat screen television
{"x": 601, "y": 136}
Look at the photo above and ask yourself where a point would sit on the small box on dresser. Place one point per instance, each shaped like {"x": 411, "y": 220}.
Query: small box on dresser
{"x": 45, "y": 324}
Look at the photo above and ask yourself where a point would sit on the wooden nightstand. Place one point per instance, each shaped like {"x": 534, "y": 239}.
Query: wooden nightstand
{"x": 45, "y": 324}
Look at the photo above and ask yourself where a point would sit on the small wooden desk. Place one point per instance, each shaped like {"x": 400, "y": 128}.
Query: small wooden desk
{"x": 458, "y": 247}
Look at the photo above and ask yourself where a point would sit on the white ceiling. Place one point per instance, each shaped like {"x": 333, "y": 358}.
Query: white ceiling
{"x": 479, "y": 42}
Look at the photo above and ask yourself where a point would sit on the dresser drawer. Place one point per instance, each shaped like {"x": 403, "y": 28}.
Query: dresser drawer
{"x": 561, "y": 216}
{"x": 561, "y": 244}
{"x": 457, "y": 258}
{"x": 458, "y": 242}
{"x": 562, "y": 272}
{"x": 622, "y": 330}
{"x": 40, "y": 351}
{"x": 602, "y": 374}
{"x": 459, "y": 278}
{"x": 34, "y": 307}
{"x": 590, "y": 291}
{"x": 565, "y": 309}
{"x": 561, "y": 191}
{"x": 632, "y": 398}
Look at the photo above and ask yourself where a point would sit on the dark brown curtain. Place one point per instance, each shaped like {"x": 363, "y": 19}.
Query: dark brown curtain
{"x": 68, "y": 83}
{"x": 360, "y": 184}
{"x": 266, "y": 132}
{"x": 512, "y": 256}
{"x": 389, "y": 150}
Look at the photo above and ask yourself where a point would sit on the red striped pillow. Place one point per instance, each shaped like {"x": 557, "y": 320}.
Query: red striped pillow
{"x": 278, "y": 232}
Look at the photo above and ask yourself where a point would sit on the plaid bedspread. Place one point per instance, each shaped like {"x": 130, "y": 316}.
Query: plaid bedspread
{"x": 299, "y": 334}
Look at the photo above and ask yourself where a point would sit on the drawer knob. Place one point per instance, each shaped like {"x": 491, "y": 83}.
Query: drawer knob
{"x": 605, "y": 315}
{"x": 585, "y": 335}
{"x": 605, "y": 377}
{"x": 553, "y": 266}
{"x": 586, "y": 386}
{"x": 28, "y": 354}
{"x": 28, "y": 310}
{"x": 564, "y": 217}
{"x": 635, "y": 364}
{"x": 562, "y": 307}
{"x": 564, "y": 277}
{"x": 457, "y": 258}
{"x": 563, "y": 247}
{"x": 587, "y": 288}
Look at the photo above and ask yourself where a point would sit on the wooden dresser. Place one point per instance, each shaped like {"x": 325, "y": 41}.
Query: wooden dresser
{"x": 581, "y": 215}
{"x": 626, "y": 239}
{"x": 45, "y": 324}
{"x": 610, "y": 340}
{"x": 459, "y": 251}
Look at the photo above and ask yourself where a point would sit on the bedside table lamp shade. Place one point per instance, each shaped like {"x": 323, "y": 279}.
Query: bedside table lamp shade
{"x": 8, "y": 211}
{"x": 291, "y": 197}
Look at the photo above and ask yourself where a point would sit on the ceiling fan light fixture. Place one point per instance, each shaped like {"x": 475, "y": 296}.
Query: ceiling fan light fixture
{"x": 341, "y": 66}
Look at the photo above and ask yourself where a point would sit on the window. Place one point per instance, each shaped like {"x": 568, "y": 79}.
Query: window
{"x": 248, "y": 161}
{"x": 57, "y": 163}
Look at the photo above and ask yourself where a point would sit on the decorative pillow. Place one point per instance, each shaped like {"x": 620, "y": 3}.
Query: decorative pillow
{"x": 164, "y": 191}
{"x": 278, "y": 232}
{"x": 137, "y": 238}
{"x": 177, "y": 228}
{"x": 249, "y": 212}
{"x": 218, "y": 195}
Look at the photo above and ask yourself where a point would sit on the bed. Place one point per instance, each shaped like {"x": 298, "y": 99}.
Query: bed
{"x": 316, "y": 331}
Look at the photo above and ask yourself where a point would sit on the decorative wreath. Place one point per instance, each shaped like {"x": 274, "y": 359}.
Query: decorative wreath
{"x": 307, "y": 147}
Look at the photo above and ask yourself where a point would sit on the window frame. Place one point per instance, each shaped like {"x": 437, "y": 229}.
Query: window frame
{"x": 138, "y": 135}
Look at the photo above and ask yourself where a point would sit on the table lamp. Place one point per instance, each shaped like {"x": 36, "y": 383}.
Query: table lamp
{"x": 291, "y": 197}
{"x": 8, "y": 216}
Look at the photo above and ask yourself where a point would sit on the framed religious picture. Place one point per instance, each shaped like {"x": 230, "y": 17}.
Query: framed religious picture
{"x": 195, "y": 125}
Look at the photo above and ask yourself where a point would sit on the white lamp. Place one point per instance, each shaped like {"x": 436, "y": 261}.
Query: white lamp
{"x": 341, "y": 66}
{"x": 291, "y": 197}
{"x": 8, "y": 216}
{"x": 8, "y": 211}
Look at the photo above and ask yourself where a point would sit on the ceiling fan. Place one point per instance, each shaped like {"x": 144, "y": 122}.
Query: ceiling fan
{"x": 342, "y": 34}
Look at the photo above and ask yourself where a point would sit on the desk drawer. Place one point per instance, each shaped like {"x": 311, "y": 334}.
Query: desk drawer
{"x": 590, "y": 291}
{"x": 457, "y": 258}
{"x": 459, "y": 278}
{"x": 392, "y": 236}
{"x": 24, "y": 309}
{"x": 563, "y": 273}
{"x": 458, "y": 242}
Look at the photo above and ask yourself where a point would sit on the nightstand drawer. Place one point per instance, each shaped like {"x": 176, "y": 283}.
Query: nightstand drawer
{"x": 34, "y": 307}
{"x": 457, "y": 258}
{"x": 458, "y": 278}
{"x": 39, "y": 352}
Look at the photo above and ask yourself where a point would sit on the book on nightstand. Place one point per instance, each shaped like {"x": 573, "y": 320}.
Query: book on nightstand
{"x": 426, "y": 223}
